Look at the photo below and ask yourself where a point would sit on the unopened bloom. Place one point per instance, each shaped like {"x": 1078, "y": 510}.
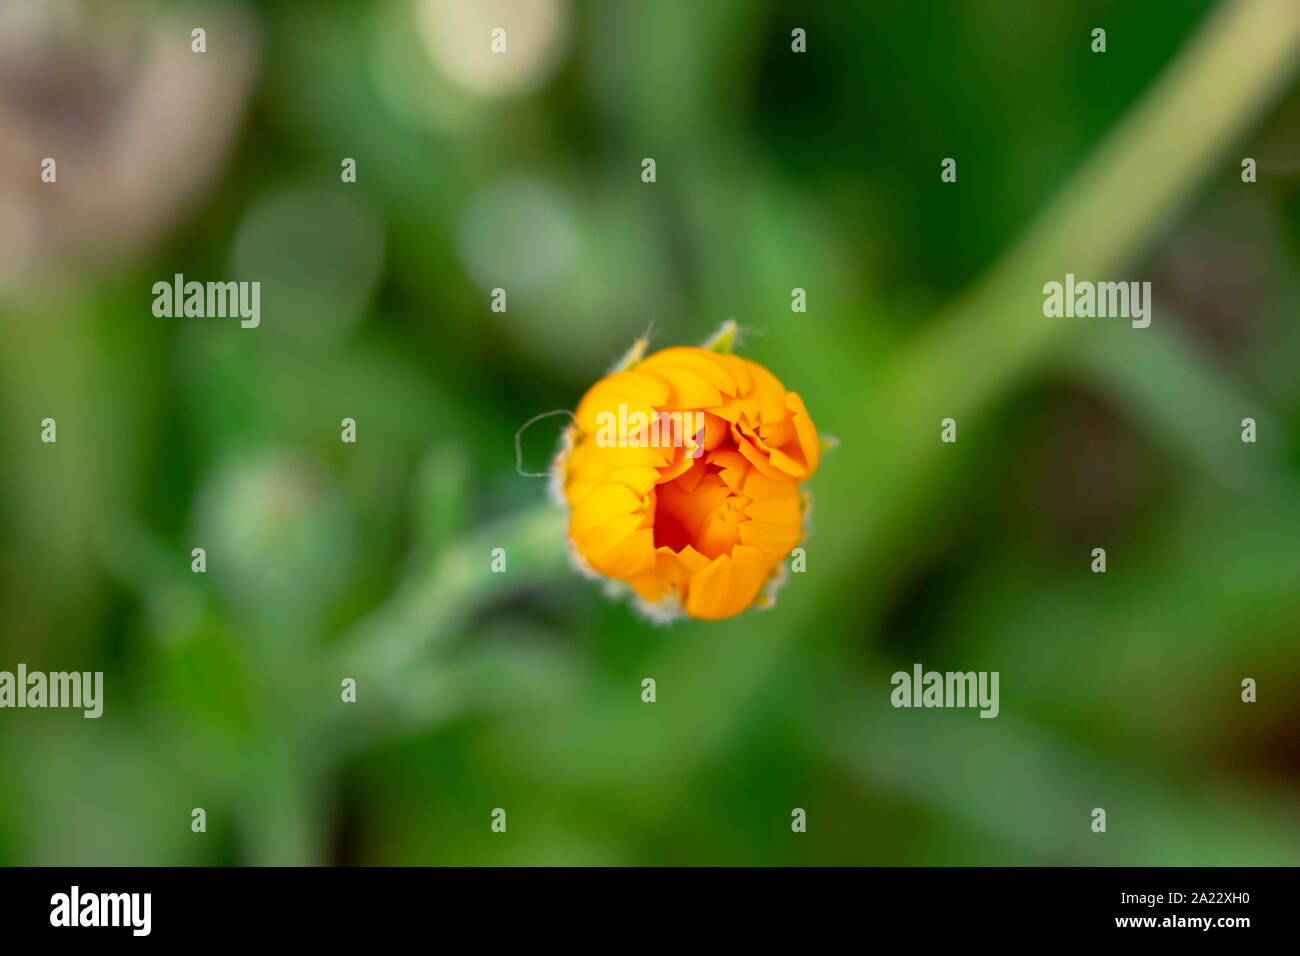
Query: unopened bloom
{"x": 682, "y": 472}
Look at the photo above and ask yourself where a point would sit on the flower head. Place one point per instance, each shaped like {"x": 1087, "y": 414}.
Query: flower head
{"x": 682, "y": 472}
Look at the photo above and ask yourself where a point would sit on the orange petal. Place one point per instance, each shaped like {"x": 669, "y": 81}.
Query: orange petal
{"x": 624, "y": 557}
{"x": 605, "y": 502}
{"x": 637, "y": 391}
{"x": 728, "y": 585}
{"x": 701, "y": 362}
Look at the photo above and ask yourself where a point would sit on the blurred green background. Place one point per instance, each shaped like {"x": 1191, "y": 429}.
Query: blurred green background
{"x": 775, "y": 170}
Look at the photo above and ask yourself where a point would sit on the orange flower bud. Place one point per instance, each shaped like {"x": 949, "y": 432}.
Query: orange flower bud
{"x": 682, "y": 472}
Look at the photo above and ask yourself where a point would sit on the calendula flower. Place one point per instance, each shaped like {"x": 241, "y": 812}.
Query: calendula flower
{"x": 681, "y": 471}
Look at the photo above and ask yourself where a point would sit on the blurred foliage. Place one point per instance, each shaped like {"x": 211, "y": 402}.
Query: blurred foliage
{"x": 775, "y": 170}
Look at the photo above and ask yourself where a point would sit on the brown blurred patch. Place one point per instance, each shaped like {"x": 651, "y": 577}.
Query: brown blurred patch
{"x": 136, "y": 122}
{"x": 1223, "y": 273}
{"x": 1086, "y": 479}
